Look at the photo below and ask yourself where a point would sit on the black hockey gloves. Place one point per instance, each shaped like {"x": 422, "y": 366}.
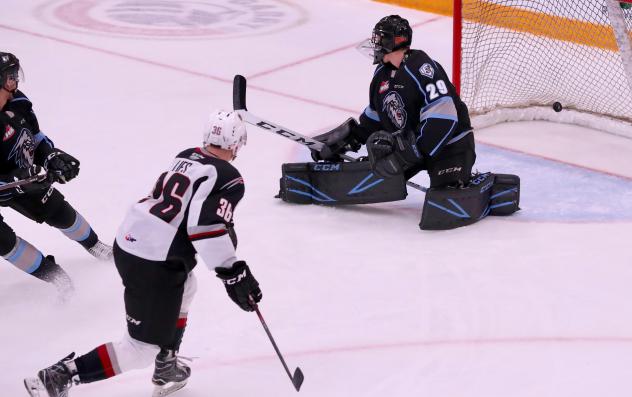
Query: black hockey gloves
{"x": 19, "y": 174}
{"x": 337, "y": 141}
{"x": 61, "y": 166}
{"x": 392, "y": 154}
{"x": 240, "y": 285}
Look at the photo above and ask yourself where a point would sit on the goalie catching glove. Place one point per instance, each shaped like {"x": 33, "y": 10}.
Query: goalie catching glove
{"x": 391, "y": 154}
{"x": 61, "y": 166}
{"x": 240, "y": 285}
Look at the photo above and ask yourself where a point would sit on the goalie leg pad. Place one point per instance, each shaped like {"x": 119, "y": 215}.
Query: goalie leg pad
{"x": 505, "y": 195}
{"x": 449, "y": 208}
{"x": 338, "y": 184}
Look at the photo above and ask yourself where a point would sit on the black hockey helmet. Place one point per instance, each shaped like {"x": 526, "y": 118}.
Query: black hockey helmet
{"x": 9, "y": 67}
{"x": 390, "y": 34}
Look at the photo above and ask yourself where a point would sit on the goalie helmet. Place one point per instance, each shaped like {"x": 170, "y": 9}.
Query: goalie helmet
{"x": 9, "y": 68}
{"x": 390, "y": 34}
{"x": 225, "y": 130}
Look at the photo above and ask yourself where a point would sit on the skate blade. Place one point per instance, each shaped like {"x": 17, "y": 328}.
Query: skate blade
{"x": 35, "y": 387}
{"x": 165, "y": 390}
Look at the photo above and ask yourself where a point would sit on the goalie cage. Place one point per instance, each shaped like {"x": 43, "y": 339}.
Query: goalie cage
{"x": 514, "y": 59}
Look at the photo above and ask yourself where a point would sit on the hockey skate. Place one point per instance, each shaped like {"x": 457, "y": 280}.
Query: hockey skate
{"x": 51, "y": 272}
{"x": 101, "y": 251}
{"x": 170, "y": 373}
{"x": 53, "y": 381}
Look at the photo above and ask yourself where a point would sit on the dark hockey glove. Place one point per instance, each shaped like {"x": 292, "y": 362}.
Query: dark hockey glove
{"x": 337, "y": 141}
{"x": 391, "y": 154}
{"x": 34, "y": 172}
{"x": 380, "y": 147}
{"x": 61, "y": 166}
{"x": 240, "y": 285}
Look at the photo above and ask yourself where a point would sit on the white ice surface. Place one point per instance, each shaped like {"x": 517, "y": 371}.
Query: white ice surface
{"x": 537, "y": 304}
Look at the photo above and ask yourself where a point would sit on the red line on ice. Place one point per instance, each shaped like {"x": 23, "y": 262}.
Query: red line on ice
{"x": 326, "y": 53}
{"x": 629, "y": 178}
{"x": 176, "y": 68}
{"x": 439, "y": 343}
{"x": 266, "y": 90}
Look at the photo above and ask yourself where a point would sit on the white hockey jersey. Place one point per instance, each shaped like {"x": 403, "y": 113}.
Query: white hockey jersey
{"x": 189, "y": 211}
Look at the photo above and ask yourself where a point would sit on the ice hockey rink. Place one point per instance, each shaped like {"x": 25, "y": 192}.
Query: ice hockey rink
{"x": 534, "y": 305}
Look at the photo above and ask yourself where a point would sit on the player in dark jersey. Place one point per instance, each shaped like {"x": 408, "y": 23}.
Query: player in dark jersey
{"x": 190, "y": 211}
{"x": 414, "y": 116}
{"x": 415, "y": 121}
{"x": 25, "y": 151}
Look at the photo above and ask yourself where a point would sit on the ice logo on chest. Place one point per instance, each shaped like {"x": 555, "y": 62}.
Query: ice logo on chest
{"x": 23, "y": 152}
{"x": 394, "y": 106}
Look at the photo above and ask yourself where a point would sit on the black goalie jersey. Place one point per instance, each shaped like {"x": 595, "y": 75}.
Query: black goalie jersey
{"x": 189, "y": 211}
{"x": 418, "y": 97}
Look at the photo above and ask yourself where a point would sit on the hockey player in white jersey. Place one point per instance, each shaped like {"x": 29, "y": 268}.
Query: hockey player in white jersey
{"x": 190, "y": 211}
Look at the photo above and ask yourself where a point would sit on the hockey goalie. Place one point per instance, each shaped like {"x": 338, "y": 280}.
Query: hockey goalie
{"x": 415, "y": 121}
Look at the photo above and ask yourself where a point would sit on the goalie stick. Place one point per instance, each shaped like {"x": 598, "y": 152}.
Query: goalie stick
{"x": 297, "y": 379}
{"x": 239, "y": 105}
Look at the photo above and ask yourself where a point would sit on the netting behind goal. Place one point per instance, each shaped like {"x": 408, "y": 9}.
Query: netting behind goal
{"x": 514, "y": 59}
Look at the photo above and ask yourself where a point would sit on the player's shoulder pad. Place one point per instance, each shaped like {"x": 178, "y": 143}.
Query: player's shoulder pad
{"x": 228, "y": 178}
{"x": 227, "y": 175}
{"x": 19, "y": 96}
{"x": 199, "y": 156}
{"x": 378, "y": 69}
{"x": 19, "y": 102}
{"x": 422, "y": 66}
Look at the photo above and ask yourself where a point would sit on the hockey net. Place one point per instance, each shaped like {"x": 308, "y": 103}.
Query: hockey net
{"x": 514, "y": 59}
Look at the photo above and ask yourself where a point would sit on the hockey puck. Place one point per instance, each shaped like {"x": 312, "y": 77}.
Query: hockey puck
{"x": 557, "y": 107}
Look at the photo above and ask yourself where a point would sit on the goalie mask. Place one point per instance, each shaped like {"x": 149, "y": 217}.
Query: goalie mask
{"x": 10, "y": 70}
{"x": 225, "y": 130}
{"x": 390, "y": 34}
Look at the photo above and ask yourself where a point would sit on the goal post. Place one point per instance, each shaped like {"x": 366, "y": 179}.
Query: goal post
{"x": 519, "y": 59}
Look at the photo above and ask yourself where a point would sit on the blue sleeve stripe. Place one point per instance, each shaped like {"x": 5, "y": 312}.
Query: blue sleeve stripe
{"x": 440, "y": 116}
{"x": 418, "y": 83}
{"x": 372, "y": 114}
{"x": 421, "y": 130}
{"x": 20, "y": 99}
{"x": 39, "y": 137}
{"x": 378, "y": 69}
{"x": 442, "y": 108}
{"x": 441, "y": 101}
{"x": 458, "y": 137}
{"x": 444, "y": 138}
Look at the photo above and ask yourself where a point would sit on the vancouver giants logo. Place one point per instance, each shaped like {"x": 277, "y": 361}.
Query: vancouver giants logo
{"x": 23, "y": 152}
{"x": 393, "y": 105}
{"x": 173, "y": 19}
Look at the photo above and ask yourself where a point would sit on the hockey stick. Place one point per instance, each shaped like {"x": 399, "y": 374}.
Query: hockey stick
{"x": 34, "y": 178}
{"x": 239, "y": 104}
{"x": 297, "y": 379}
